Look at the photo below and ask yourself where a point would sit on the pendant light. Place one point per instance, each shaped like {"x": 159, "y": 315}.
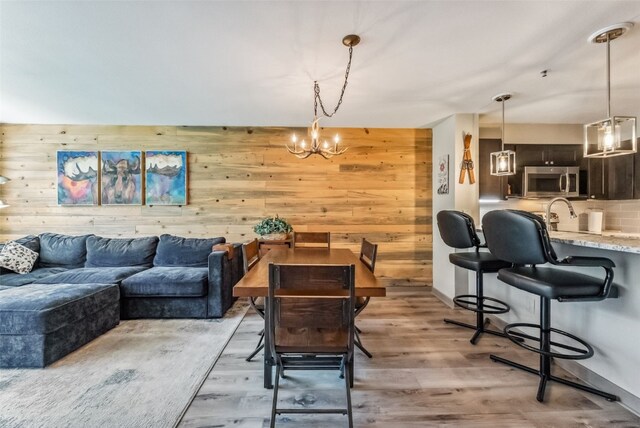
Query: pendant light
{"x": 615, "y": 135}
{"x": 303, "y": 149}
{"x": 504, "y": 161}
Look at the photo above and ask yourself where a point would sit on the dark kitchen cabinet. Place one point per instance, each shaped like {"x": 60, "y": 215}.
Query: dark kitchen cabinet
{"x": 613, "y": 178}
{"x": 597, "y": 184}
{"x": 549, "y": 154}
{"x": 636, "y": 175}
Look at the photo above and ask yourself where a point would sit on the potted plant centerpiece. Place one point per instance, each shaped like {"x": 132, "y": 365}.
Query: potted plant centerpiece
{"x": 273, "y": 228}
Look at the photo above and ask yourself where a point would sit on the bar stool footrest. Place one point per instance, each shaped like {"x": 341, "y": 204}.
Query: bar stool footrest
{"x": 471, "y": 302}
{"x": 517, "y": 337}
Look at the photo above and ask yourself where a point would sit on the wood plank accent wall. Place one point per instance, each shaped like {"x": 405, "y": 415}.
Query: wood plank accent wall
{"x": 379, "y": 189}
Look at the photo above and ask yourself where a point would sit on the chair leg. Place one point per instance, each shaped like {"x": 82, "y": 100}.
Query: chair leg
{"x": 259, "y": 348}
{"x": 275, "y": 398}
{"x": 544, "y": 371}
{"x": 348, "y": 387}
{"x": 360, "y": 346}
{"x": 481, "y": 323}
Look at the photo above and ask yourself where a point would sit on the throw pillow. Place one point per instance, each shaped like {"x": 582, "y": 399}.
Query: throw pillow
{"x": 17, "y": 257}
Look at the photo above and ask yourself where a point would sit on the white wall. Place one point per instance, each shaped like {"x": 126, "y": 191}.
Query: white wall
{"x": 448, "y": 139}
{"x": 528, "y": 133}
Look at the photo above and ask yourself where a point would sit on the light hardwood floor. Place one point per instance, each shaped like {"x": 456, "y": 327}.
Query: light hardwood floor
{"x": 423, "y": 373}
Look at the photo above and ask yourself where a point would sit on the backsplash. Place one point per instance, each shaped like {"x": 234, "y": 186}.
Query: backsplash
{"x": 621, "y": 216}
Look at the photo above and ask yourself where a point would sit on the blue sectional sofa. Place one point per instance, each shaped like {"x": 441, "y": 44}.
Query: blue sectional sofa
{"x": 81, "y": 286}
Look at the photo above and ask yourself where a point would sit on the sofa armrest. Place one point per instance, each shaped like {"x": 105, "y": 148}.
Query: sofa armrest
{"x": 220, "y": 293}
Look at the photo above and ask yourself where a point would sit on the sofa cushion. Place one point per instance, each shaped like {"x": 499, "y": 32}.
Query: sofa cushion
{"x": 110, "y": 252}
{"x": 189, "y": 252}
{"x": 161, "y": 281}
{"x": 63, "y": 250}
{"x": 16, "y": 280}
{"x": 41, "y": 309}
{"x": 17, "y": 258}
{"x": 32, "y": 242}
{"x": 92, "y": 275}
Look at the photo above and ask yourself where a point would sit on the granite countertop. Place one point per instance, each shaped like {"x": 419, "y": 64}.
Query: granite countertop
{"x": 592, "y": 240}
{"x": 583, "y": 239}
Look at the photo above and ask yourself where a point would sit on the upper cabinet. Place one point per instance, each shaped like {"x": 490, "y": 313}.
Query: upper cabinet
{"x": 615, "y": 178}
{"x": 549, "y": 154}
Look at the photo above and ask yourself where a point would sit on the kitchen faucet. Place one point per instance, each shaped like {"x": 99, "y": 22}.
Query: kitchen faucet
{"x": 547, "y": 219}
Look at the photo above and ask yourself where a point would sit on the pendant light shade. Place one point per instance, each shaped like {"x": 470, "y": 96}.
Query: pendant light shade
{"x": 504, "y": 161}
{"x": 615, "y": 135}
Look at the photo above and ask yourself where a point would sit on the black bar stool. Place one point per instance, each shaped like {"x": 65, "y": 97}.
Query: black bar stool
{"x": 521, "y": 238}
{"x": 458, "y": 231}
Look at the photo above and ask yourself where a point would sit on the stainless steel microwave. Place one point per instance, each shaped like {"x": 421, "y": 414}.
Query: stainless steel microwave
{"x": 549, "y": 181}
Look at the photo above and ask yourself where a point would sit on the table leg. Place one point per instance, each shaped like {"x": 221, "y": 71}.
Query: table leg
{"x": 268, "y": 359}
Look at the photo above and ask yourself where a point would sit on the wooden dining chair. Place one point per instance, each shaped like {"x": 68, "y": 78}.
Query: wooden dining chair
{"x": 310, "y": 314}
{"x": 312, "y": 239}
{"x": 368, "y": 254}
{"x": 250, "y": 258}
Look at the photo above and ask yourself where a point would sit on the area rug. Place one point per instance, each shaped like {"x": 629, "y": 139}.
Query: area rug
{"x": 143, "y": 373}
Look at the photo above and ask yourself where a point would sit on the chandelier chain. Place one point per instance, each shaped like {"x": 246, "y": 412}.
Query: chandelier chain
{"x": 316, "y": 90}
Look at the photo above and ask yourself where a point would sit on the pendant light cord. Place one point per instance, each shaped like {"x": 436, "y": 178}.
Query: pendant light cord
{"x": 608, "y": 76}
{"x": 316, "y": 90}
{"x": 502, "y": 131}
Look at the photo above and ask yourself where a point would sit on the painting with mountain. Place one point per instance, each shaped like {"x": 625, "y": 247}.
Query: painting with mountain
{"x": 166, "y": 177}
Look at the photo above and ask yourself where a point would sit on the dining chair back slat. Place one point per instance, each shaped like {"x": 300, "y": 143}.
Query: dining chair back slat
{"x": 312, "y": 239}
{"x": 368, "y": 254}
{"x": 250, "y": 255}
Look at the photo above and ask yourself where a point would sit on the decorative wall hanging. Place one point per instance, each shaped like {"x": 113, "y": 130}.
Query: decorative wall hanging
{"x": 443, "y": 175}
{"x": 166, "y": 177}
{"x": 121, "y": 178}
{"x": 467, "y": 162}
{"x": 77, "y": 177}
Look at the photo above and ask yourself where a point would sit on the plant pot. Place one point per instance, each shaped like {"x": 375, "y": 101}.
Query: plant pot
{"x": 275, "y": 236}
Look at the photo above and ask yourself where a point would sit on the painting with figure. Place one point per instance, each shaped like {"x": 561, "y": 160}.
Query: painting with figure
{"x": 77, "y": 177}
{"x": 166, "y": 177}
{"x": 121, "y": 178}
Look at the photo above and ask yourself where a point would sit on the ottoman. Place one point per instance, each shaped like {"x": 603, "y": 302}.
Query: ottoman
{"x": 41, "y": 323}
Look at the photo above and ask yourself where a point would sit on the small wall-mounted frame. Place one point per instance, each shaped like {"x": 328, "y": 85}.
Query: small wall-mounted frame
{"x": 443, "y": 175}
{"x": 77, "y": 177}
{"x": 165, "y": 177}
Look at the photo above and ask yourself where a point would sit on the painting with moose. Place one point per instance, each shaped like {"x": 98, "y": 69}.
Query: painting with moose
{"x": 77, "y": 177}
{"x": 166, "y": 177}
{"x": 121, "y": 178}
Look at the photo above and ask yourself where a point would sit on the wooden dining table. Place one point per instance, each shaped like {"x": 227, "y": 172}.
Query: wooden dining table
{"x": 256, "y": 282}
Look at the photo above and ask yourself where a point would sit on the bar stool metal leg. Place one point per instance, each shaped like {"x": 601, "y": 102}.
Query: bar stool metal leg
{"x": 546, "y": 354}
{"x": 480, "y": 308}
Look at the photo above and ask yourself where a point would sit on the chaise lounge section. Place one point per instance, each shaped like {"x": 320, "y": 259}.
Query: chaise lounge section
{"x": 41, "y": 323}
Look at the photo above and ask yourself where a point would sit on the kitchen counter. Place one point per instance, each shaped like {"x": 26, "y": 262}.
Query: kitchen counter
{"x": 602, "y": 242}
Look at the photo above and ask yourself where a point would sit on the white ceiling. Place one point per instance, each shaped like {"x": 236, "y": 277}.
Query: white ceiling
{"x": 254, "y": 62}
